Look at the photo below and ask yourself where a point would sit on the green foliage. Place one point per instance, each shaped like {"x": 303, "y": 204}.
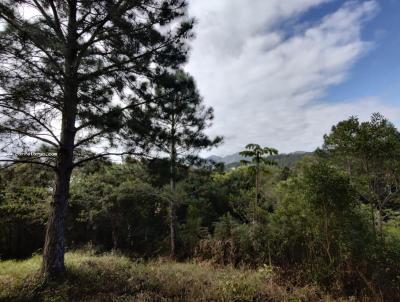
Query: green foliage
{"x": 313, "y": 225}
{"x": 25, "y": 192}
{"x": 369, "y": 153}
{"x": 181, "y": 117}
{"x": 257, "y": 153}
{"x": 80, "y": 74}
{"x": 81, "y": 56}
{"x": 328, "y": 190}
{"x": 321, "y": 229}
{"x": 116, "y": 205}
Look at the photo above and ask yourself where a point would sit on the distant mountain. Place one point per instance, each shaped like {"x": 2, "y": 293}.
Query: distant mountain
{"x": 215, "y": 158}
{"x": 291, "y": 159}
{"x": 283, "y": 160}
{"x": 229, "y": 159}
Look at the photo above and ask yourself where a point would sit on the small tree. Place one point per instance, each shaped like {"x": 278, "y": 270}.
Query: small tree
{"x": 258, "y": 157}
{"x": 181, "y": 120}
{"x": 117, "y": 200}
{"x": 332, "y": 197}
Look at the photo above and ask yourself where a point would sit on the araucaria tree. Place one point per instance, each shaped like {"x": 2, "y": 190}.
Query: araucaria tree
{"x": 77, "y": 73}
{"x": 181, "y": 121}
{"x": 258, "y": 155}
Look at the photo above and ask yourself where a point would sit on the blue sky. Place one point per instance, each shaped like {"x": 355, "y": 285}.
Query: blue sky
{"x": 378, "y": 72}
{"x": 281, "y": 73}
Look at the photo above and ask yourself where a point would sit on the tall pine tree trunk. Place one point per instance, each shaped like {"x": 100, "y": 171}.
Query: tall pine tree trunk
{"x": 172, "y": 226}
{"x": 53, "y": 254}
{"x": 54, "y": 247}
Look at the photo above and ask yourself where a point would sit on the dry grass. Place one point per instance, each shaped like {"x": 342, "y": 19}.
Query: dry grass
{"x": 111, "y": 277}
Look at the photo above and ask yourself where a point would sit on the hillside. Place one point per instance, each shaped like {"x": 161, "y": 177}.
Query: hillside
{"x": 282, "y": 160}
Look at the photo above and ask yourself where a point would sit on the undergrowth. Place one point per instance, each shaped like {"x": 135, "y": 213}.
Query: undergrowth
{"x": 111, "y": 277}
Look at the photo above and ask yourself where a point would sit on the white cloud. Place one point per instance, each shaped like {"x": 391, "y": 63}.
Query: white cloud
{"x": 267, "y": 86}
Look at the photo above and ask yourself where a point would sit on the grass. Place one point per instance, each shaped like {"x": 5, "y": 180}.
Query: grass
{"x": 110, "y": 277}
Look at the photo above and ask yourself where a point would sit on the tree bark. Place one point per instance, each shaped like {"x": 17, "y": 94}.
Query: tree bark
{"x": 54, "y": 248}
{"x": 53, "y": 254}
{"x": 172, "y": 228}
{"x": 172, "y": 224}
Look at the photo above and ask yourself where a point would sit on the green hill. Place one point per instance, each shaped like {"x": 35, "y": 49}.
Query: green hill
{"x": 283, "y": 160}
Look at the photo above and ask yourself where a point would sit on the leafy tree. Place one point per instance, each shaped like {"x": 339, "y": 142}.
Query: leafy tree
{"x": 369, "y": 152}
{"x": 63, "y": 70}
{"x": 258, "y": 157}
{"x": 118, "y": 203}
{"x": 181, "y": 121}
{"x": 319, "y": 227}
{"x": 25, "y": 190}
{"x": 331, "y": 195}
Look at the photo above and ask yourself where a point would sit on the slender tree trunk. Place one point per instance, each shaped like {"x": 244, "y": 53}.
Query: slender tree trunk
{"x": 9, "y": 241}
{"x": 269, "y": 254}
{"x": 172, "y": 209}
{"x": 327, "y": 239}
{"x": 373, "y": 219}
{"x": 130, "y": 236}
{"x": 381, "y": 222}
{"x": 54, "y": 247}
{"x": 257, "y": 191}
{"x": 114, "y": 234}
{"x": 172, "y": 228}
{"x": 366, "y": 171}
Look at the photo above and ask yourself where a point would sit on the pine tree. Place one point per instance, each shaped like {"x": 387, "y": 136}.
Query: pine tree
{"x": 180, "y": 123}
{"x": 78, "y": 73}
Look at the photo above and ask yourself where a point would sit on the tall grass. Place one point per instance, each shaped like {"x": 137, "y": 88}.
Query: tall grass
{"x": 111, "y": 277}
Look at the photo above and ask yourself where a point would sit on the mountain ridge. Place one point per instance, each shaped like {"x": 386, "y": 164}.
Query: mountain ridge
{"x": 283, "y": 160}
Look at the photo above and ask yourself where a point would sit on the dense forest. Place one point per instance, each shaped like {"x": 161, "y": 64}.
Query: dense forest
{"x": 101, "y": 131}
{"x": 331, "y": 220}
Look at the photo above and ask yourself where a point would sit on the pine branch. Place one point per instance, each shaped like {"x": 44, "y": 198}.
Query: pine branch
{"x": 97, "y": 156}
{"x": 35, "y": 119}
{"x": 23, "y": 161}
{"x": 24, "y": 133}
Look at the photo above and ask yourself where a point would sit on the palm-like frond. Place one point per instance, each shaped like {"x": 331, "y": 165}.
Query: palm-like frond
{"x": 257, "y": 153}
{"x": 270, "y": 151}
{"x": 247, "y": 153}
{"x": 244, "y": 162}
{"x": 253, "y": 147}
{"x": 267, "y": 161}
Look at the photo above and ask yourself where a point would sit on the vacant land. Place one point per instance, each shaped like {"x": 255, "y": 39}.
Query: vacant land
{"x": 110, "y": 277}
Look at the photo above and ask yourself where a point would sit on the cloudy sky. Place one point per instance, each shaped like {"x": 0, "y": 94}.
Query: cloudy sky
{"x": 281, "y": 72}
